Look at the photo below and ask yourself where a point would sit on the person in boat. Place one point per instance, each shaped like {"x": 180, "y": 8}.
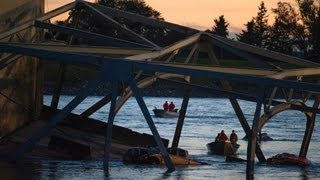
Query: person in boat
{"x": 166, "y": 106}
{"x": 223, "y": 136}
{"x": 171, "y": 106}
{"x": 233, "y": 137}
{"x": 217, "y": 139}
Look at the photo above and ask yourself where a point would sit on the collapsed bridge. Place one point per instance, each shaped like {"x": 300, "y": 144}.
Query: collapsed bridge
{"x": 137, "y": 62}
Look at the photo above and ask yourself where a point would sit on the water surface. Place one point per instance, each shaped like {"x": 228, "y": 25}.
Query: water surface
{"x": 204, "y": 119}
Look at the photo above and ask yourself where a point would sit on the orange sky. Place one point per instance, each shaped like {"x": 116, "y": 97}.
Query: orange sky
{"x": 201, "y": 13}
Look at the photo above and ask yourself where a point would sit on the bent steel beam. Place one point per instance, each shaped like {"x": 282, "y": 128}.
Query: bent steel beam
{"x": 44, "y": 17}
{"x": 271, "y": 97}
{"x": 18, "y": 153}
{"x": 6, "y": 61}
{"x": 193, "y": 50}
{"x": 119, "y": 26}
{"x": 292, "y": 105}
{"x": 280, "y": 108}
{"x": 58, "y": 87}
{"x": 218, "y": 74}
{"x": 173, "y": 54}
{"x": 98, "y": 38}
{"x": 166, "y": 50}
{"x": 311, "y": 117}
{"x": 114, "y": 70}
{"x": 252, "y": 138}
{"x": 85, "y": 49}
{"x": 296, "y": 72}
{"x": 251, "y": 58}
{"x": 12, "y": 31}
{"x": 144, "y": 20}
{"x": 108, "y": 135}
{"x": 182, "y": 114}
{"x": 97, "y": 106}
{"x": 236, "y": 106}
{"x": 265, "y": 53}
{"x": 71, "y": 58}
{"x": 152, "y": 127}
{"x": 241, "y": 71}
{"x": 143, "y": 84}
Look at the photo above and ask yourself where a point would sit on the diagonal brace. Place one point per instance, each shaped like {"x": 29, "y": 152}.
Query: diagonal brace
{"x": 42, "y": 132}
{"x": 152, "y": 127}
{"x": 108, "y": 135}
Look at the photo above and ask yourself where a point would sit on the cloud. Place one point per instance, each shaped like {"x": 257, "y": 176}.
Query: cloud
{"x": 195, "y": 25}
{"x": 235, "y": 29}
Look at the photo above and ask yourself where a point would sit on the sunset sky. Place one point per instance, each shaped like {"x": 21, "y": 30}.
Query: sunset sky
{"x": 201, "y": 13}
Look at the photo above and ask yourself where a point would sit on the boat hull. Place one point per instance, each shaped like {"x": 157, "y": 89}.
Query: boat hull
{"x": 223, "y": 148}
{"x": 165, "y": 114}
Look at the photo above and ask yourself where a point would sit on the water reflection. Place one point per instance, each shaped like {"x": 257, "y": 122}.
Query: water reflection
{"x": 304, "y": 174}
{"x": 52, "y": 169}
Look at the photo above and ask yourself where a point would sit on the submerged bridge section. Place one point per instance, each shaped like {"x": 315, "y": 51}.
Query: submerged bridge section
{"x": 137, "y": 62}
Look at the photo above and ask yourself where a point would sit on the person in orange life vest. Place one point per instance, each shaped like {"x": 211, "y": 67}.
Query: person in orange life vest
{"x": 171, "y": 106}
{"x": 166, "y": 106}
{"x": 233, "y": 137}
{"x": 223, "y": 136}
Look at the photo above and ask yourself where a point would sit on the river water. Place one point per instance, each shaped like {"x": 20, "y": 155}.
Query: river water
{"x": 204, "y": 119}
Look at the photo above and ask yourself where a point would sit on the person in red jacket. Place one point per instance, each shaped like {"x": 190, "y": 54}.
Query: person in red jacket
{"x": 171, "y": 106}
{"x": 166, "y": 106}
{"x": 223, "y": 136}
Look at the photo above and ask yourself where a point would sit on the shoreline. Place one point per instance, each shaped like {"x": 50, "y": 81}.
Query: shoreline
{"x": 157, "y": 90}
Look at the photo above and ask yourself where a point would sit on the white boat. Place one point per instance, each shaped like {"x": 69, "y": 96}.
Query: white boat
{"x": 166, "y": 114}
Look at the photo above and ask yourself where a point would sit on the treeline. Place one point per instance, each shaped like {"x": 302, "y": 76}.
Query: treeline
{"x": 295, "y": 31}
{"x": 296, "y": 28}
{"x": 81, "y": 18}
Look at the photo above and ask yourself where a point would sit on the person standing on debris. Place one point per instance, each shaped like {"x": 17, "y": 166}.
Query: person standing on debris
{"x": 233, "y": 137}
{"x": 166, "y": 106}
{"x": 223, "y": 136}
{"x": 171, "y": 106}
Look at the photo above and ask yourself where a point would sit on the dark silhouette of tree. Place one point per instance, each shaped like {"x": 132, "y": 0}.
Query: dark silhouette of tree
{"x": 310, "y": 13}
{"x": 256, "y": 32}
{"x": 247, "y": 36}
{"x": 137, "y": 7}
{"x": 134, "y": 6}
{"x": 220, "y": 27}
{"x": 207, "y": 31}
{"x": 286, "y": 33}
{"x": 261, "y": 26}
{"x": 83, "y": 19}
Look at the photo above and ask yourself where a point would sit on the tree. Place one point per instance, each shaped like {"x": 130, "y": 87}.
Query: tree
{"x": 220, "y": 27}
{"x": 286, "y": 33}
{"x": 133, "y": 6}
{"x": 310, "y": 13}
{"x": 256, "y": 32}
{"x": 248, "y": 35}
{"x": 261, "y": 26}
{"x": 83, "y": 19}
{"x": 137, "y": 7}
